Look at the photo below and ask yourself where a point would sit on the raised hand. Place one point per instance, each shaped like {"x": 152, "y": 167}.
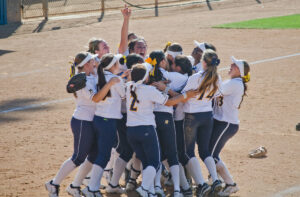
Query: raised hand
{"x": 126, "y": 12}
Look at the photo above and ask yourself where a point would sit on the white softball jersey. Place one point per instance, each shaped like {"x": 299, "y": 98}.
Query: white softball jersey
{"x": 141, "y": 113}
{"x": 85, "y": 107}
{"x": 110, "y": 107}
{"x": 177, "y": 82}
{"x": 198, "y": 67}
{"x": 226, "y": 107}
{"x": 202, "y": 102}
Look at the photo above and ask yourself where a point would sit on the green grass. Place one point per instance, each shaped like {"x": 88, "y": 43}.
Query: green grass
{"x": 282, "y": 22}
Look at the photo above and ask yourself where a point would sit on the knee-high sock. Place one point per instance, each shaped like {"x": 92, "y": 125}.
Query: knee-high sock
{"x": 183, "y": 181}
{"x": 148, "y": 177}
{"x": 175, "y": 177}
{"x": 66, "y": 168}
{"x": 158, "y": 176}
{"x": 224, "y": 172}
{"x": 83, "y": 171}
{"x": 193, "y": 166}
{"x": 97, "y": 173}
{"x": 118, "y": 169}
{"x": 152, "y": 190}
{"x": 211, "y": 166}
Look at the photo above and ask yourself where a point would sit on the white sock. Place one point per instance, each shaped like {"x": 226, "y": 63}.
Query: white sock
{"x": 157, "y": 177}
{"x": 66, "y": 168}
{"x": 97, "y": 173}
{"x": 193, "y": 166}
{"x": 183, "y": 181}
{"x": 148, "y": 177}
{"x": 175, "y": 177}
{"x": 152, "y": 190}
{"x": 83, "y": 171}
{"x": 211, "y": 166}
{"x": 118, "y": 169}
{"x": 136, "y": 164}
{"x": 224, "y": 172}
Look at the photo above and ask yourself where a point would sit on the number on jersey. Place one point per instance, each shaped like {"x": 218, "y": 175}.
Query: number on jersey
{"x": 132, "y": 106}
{"x": 209, "y": 96}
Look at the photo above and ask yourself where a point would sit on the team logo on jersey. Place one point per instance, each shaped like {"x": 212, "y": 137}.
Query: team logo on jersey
{"x": 166, "y": 121}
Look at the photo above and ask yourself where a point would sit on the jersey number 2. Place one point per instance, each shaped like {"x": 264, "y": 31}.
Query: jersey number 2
{"x": 132, "y": 106}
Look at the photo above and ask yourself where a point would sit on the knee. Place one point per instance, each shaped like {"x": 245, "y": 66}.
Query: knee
{"x": 78, "y": 159}
{"x": 204, "y": 154}
{"x": 126, "y": 155}
{"x": 173, "y": 159}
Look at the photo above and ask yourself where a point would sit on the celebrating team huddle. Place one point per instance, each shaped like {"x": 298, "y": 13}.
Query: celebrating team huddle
{"x": 143, "y": 114}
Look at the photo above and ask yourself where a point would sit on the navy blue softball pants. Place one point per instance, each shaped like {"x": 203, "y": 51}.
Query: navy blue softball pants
{"x": 84, "y": 141}
{"x": 222, "y": 132}
{"x": 197, "y": 128}
{"x": 144, "y": 142}
{"x": 106, "y": 134}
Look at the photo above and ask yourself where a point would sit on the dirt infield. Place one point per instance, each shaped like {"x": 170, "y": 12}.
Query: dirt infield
{"x": 34, "y": 70}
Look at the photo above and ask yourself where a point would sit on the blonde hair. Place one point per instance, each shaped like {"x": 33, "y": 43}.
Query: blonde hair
{"x": 94, "y": 44}
{"x": 211, "y": 77}
{"x": 246, "y": 72}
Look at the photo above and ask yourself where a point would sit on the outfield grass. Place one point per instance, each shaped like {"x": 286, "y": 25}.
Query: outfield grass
{"x": 282, "y": 22}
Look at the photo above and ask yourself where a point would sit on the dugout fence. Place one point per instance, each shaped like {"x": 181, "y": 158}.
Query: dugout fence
{"x": 46, "y": 8}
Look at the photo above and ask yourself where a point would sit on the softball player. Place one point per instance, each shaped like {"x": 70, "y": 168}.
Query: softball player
{"x": 141, "y": 124}
{"x": 164, "y": 120}
{"x": 107, "y": 113}
{"x": 138, "y": 46}
{"x": 124, "y": 149}
{"x": 81, "y": 125}
{"x": 198, "y": 52}
{"x": 183, "y": 67}
{"x": 198, "y": 122}
{"x": 172, "y": 50}
{"x": 226, "y": 121}
{"x": 99, "y": 47}
{"x": 178, "y": 79}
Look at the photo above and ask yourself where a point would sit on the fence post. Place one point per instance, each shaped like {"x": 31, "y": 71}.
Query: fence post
{"x": 156, "y": 7}
{"x": 102, "y": 6}
{"x": 45, "y": 9}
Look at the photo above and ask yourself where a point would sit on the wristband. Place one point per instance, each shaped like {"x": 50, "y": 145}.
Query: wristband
{"x": 184, "y": 95}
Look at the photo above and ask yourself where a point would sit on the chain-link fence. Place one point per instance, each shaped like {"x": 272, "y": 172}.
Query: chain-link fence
{"x": 35, "y": 8}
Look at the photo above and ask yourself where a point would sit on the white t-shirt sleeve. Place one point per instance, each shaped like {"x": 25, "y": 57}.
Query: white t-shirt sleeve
{"x": 189, "y": 85}
{"x": 227, "y": 87}
{"x": 120, "y": 88}
{"x": 158, "y": 97}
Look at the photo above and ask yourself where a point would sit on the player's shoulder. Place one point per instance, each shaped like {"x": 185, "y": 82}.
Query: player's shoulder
{"x": 196, "y": 76}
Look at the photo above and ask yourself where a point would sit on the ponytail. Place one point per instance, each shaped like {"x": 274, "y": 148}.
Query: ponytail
{"x": 245, "y": 79}
{"x": 155, "y": 58}
{"x": 211, "y": 76}
{"x": 133, "y": 94}
{"x": 105, "y": 61}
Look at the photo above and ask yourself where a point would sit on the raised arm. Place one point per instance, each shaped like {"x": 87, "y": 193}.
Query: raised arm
{"x": 181, "y": 98}
{"x": 103, "y": 92}
{"x": 124, "y": 31}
